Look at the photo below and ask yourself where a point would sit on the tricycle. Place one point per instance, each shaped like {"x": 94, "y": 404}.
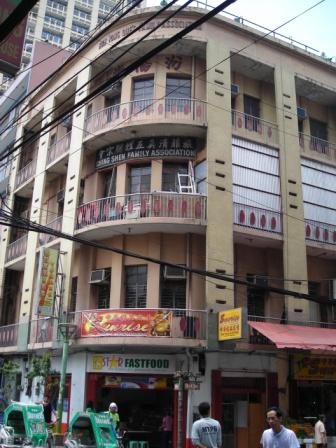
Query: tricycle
{"x": 91, "y": 430}
{"x": 23, "y": 425}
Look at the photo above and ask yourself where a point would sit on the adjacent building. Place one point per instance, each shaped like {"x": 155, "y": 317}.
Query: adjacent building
{"x": 202, "y": 158}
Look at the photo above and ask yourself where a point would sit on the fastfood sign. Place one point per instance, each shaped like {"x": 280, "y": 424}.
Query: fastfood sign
{"x": 131, "y": 363}
{"x": 147, "y": 148}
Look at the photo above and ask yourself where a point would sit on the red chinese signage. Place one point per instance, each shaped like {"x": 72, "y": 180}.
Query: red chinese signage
{"x": 11, "y": 47}
{"x": 126, "y": 323}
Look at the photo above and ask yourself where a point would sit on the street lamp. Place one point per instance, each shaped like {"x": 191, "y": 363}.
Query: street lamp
{"x": 68, "y": 331}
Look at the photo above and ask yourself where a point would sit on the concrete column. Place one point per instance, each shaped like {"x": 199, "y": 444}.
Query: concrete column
{"x": 72, "y": 185}
{"x": 28, "y": 308}
{"x": 294, "y": 249}
{"x": 153, "y": 275}
{"x": 117, "y": 275}
{"x": 156, "y": 175}
{"x": 219, "y": 244}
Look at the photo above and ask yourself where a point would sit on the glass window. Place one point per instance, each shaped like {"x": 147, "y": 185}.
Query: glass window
{"x": 135, "y": 286}
{"x": 318, "y": 129}
{"x": 103, "y": 296}
{"x": 255, "y": 296}
{"x": 110, "y": 183}
{"x": 178, "y": 93}
{"x": 73, "y": 297}
{"x": 252, "y": 111}
{"x": 173, "y": 294}
{"x": 139, "y": 179}
{"x": 170, "y": 173}
{"x": 143, "y": 91}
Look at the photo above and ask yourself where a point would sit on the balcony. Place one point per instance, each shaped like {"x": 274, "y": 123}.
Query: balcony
{"x": 16, "y": 249}
{"x": 55, "y": 224}
{"x": 318, "y": 148}
{"x": 320, "y": 232}
{"x": 157, "y": 208}
{"x": 143, "y": 326}
{"x": 59, "y": 148}
{"x": 26, "y": 173}
{"x": 257, "y": 218}
{"x": 81, "y": 19}
{"x": 56, "y": 9}
{"x": 53, "y": 25}
{"x": 41, "y": 330}
{"x": 151, "y": 111}
{"x": 253, "y": 128}
{"x": 9, "y": 335}
{"x": 85, "y": 4}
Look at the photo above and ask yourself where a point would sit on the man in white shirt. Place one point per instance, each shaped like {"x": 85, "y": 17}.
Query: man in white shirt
{"x": 206, "y": 432}
{"x": 277, "y": 436}
{"x": 320, "y": 432}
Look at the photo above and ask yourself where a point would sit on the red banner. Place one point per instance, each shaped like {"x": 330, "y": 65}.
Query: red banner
{"x": 126, "y": 323}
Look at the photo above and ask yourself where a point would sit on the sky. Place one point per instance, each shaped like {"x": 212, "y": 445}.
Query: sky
{"x": 316, "y": 28}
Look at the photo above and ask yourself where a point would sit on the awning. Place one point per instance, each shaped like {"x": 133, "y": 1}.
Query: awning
{"x": 296, "y": 336}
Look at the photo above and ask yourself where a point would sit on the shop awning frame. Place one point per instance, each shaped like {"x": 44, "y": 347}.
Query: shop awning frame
{"x": 296, "y": 336}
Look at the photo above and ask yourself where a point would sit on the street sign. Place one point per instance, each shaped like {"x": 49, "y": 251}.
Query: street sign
{"x": 192, "y": 386}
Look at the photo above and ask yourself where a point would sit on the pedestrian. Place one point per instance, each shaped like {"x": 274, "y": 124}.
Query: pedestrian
{"x": 48, "y": 411}
{"x": 206, "y": 432}
{"x": 114, "y": 416}
{"x": 277, "y": 436}
{"x": 320, "y": 432}
{"x": 167, "y": 428}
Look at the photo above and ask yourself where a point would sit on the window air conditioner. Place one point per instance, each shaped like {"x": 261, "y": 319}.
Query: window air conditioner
{"x": 234, "y": 90}
{"x": 174, "y": 273}
{"x": 99, "y": 276}
{"x": 259, "y": 280}
{"x": 60, "y": 196}
{"x": 301, "y": 113}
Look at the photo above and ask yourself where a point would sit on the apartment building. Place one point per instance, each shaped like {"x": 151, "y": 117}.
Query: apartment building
{"x": 199, "y": 158}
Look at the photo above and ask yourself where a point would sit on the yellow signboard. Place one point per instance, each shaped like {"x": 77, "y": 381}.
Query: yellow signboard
{"x": 314, "y": 367}
{"x": 230, "y": 324}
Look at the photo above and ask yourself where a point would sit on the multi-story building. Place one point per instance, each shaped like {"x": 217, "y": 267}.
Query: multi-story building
{"x": 202, "y": 158}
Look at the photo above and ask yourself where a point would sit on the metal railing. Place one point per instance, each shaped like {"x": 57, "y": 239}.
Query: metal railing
{"x": 59, "y": 148}
{"x": 25, "y": 173}
{"x": 56, "y": 8}
{"x": 55, "y": 224}
{"x": 184, "y": 324}
{"x": 257, "y": 218}
{"x": 9, "y": 335}
{"x": 247, "y": 126}
{"x": 17, "y": 248}
{"x": 152, "y": 110}
{"x": 320, "y": 231}
{"x": 41, "y": 330}
{"x": 315, "y": 145}
{"x": 144, "y": 205}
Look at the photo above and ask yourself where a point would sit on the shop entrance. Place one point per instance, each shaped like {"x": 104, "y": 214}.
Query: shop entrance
{"x": 142, "y": 403}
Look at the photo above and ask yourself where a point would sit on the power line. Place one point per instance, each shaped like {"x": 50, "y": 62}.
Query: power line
{"x": 14, "y": 221}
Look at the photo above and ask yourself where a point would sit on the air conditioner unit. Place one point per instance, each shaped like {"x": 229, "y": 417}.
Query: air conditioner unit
{"x": 332, "y": 289}
{"x": 174, "y": 273}
{"x": 113, "y": 88}
{"x": 133, "y": 213}
{"x": 99, "y": 276}
{"x": 259, "y": 280}
{"x": 301, "y": 113}
{"x": 234, "y": 90}
{"x": 60, "y": 196}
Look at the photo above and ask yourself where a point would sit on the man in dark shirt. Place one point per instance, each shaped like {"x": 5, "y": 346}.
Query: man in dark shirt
{"x": 48, "y": 411}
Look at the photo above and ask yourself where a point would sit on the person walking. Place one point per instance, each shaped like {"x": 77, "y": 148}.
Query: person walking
{"x": 206, "y": 432}
{"x": 167, "y": 429}
{"x": 50, "y": 416}
{"x": 114, "y": 416}
{"x": 320, "y": 432}
{"x": 277, "y": 436}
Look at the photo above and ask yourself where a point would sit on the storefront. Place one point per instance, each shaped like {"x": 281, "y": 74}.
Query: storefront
{"x": 313, "y": 389}
{"x": 141, "y": 385}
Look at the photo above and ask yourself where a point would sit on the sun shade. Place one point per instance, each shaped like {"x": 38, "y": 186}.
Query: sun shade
{"x": 295, "y": 336}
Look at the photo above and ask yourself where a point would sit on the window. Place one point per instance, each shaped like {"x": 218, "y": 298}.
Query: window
{"x": 79, "y": 29}
{"x": 143, "y": 91}
{"x": 110, "y": 183}
{"x": 255, "y": 297}
{"x": 73, "y": 297}
{"x": 135, "y": 286}
{"x": 173, "y": 294}
{"x": 112, "y": 104}
{"x": 319, "y": 136}
{"x": 170, "y": 173}
{"x": 178, "y": 94}
{"x": 139, "y": 180}
{"x": 52, "y": 38}
{"x": 252, "y": 112}
{"x": 103, "y": 296}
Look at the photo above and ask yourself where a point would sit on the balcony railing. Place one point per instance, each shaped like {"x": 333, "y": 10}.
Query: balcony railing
{"x": 249, "y": 127}
{"x": 257, "y": 218}
{"x": 25, "y": 173}
{"x": 56, "y": 8}
{"x": 55, "y": 224}
{"x": 85, "y": 4}
{"x": 151, "y": 110}
{"x": 139, "y": 206}
{"x": 320, "y": 231}
{"x": 317, "y": 146}
{"x": 59, "y": 148}
{"x": 9, "y": 335}
{"x": 41, "y": 330}
{"x": 17, "y": 248}
{"x": 129, "y": 322}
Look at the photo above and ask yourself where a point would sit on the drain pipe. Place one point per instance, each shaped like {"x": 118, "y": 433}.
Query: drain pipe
{"x": 189, "y": 396}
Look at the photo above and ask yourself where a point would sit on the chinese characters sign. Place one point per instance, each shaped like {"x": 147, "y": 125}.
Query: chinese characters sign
{"x": 230, "y": 324}
{"x": 126, "y": 323}
{"x": 46, "y": 281}
{"x": 115, "y": 363}
{"x": 314, "y": 367}
{"x": 146, "y": 148}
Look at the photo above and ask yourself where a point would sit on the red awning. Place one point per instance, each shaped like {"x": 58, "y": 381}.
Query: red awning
{"x": 295, "y": 336}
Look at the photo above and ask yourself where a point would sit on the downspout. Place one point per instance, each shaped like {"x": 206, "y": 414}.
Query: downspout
{"x": 189, "y": 417}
